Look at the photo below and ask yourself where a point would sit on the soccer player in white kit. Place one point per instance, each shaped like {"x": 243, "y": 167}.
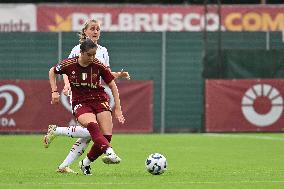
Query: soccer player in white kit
{"x": 90, "y": 30}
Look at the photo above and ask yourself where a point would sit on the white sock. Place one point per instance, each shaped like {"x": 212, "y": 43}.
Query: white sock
{"x": 61, "y": 131}
{"x": 86, "y": 161}
{"x": 73, "y": 131}
{"x": 77, "y": 150}
{"x": 109, "y": 151}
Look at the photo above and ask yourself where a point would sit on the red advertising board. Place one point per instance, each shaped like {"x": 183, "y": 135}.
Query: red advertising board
{"x": 161, "y": 18}
{"x": 25, "y": 106}
{"x": 244, "y": 105}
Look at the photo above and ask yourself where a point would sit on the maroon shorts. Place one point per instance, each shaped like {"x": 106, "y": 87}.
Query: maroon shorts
{"x": 91, "y": 107}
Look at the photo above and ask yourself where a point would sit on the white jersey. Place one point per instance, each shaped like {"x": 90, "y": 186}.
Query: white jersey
{"x": 101, "y": 54}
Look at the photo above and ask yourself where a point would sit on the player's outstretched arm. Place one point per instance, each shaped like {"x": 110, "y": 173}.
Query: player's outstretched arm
{"x": 52, "y": 81}
{"x": 121, "y": 74}
{"x": 117, "y": 109}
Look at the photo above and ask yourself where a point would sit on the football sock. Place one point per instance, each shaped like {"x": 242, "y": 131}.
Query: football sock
{"x": 72, "y": 131}
{"x": 78, "y": 132}
{"x": 97, "y": 136}
{"x": 108, "y": 137}
{"x": 77, "y": 150}
{"x": 61, "y": 131}
{"x": 109, "y": 149}
{"x": 86, "y": 161}
{"x": 96, "y": 150}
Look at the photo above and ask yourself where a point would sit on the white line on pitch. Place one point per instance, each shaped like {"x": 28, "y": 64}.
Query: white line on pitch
{"x": 244, "y": 136}
{"x": 128, "y": 183}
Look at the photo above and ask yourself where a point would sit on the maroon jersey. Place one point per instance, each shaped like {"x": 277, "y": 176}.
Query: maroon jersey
{"x": 85, "y": 81}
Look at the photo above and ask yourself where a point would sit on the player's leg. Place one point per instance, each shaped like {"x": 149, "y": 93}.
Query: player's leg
{"x": 89, "y": 121}
{"x": 105, "y": 121}
{"x": 77, "y": 150}
{"x": 104, "y": 118}
{"x": 100, "y": 142}
{"x": 71, "y": 131}
{"x": 95, "y": 152}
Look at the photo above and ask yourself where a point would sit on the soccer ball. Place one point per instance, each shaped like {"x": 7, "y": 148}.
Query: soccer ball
{"x": 156, "y": 164}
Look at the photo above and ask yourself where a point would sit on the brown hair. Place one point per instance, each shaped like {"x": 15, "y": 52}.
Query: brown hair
{"x": 82, "y": 34}
{"x": 87, "y": 45}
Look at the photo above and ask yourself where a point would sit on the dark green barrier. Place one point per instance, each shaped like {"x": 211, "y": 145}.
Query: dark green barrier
{"x": 184, "y": 83}
{"x": 27, "y": 55}
{"x": 245, "y": 64}
{"x": 243, "y": 55}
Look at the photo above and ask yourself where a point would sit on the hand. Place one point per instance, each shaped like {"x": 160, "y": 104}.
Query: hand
{"x": 67, "y": 90}
{"x": 123, "y": 74}
{"x": 118, "y": 115}
{"x": 55, "y": 98}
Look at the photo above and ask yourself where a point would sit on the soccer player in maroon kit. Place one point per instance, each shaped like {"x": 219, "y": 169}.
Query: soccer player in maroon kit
{"x": 92, "y": 30}
{"x": 89, "y": 100}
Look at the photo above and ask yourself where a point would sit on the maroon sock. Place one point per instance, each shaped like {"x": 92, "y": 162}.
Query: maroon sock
{"x": 96, "y": 151}
{"x": 97, "y": 137}
{"x": 108, "y": 137}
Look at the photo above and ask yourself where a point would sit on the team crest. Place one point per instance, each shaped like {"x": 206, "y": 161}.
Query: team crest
{"x": 84, "y": 76}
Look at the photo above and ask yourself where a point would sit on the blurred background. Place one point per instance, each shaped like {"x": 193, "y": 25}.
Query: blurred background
{"x": 196, "y": 65}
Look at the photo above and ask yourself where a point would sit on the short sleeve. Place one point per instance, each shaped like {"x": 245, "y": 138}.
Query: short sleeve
{"x": 106, "y": 75}
{"x": 75, "y": 52}
{"x": 59, "y": 68}
{"x": 106, "y": 59}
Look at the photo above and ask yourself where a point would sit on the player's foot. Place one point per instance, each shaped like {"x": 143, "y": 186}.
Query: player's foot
{"x": 111, "y": 158}
{"x": 49, "y": 135}
{"x": 85, "y": 169}
{"x": 65, "y": 170}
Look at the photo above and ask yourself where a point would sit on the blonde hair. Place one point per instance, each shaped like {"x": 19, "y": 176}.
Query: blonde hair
{"x": 82, "y": 35}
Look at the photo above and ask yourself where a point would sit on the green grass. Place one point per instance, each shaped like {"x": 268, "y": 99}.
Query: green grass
{"x": 195, "y": 161}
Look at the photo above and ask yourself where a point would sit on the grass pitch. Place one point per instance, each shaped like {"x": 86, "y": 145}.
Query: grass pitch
{"x": 195, "y": 161}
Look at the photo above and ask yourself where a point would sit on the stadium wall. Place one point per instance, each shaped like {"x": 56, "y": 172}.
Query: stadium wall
{"x": 244, "y": 105}
{"x": 28, "y": 56}
{"x": 27, "y": 108}
{"x": 244, "y": 79}
{"x": 173, "y": 53}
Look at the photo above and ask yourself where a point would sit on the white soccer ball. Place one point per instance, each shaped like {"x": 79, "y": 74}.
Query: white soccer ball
{"x": 156, "y": 164}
